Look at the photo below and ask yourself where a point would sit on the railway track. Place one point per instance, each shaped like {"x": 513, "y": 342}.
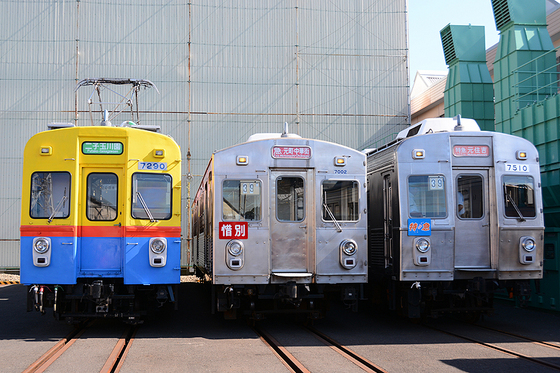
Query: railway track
{"x": 112, "y": 364}
{"x": 295, "y": 365}
{"x": 535, "y": 351}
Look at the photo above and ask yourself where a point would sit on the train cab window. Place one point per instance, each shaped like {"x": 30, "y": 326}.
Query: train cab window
{"x": 426, "y": 196}
{"x": 241, "y": 200}
{"x": 519, "y": 196}
{"x": 469, "y": 197}
{"x": 340, "y": 200}
{"x": 289, "y": 199}
{"x": 50, "y": 193}
{"x": 101, "y": 204}
{"x": 151, "y": 196}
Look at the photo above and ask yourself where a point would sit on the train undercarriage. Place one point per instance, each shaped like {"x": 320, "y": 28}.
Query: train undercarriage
{"x": 469, "y": 298}
{"x": 100, "y": 298}
{"x": 257, "y": 301}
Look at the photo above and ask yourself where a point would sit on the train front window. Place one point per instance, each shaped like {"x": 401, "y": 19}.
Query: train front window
{"x": 101, "y": 204}
{"x": 426, "y": 196}
{"x": 519, "y": 196}
{"x": 151, "y": 196}
{"x": 50, "y": 194}
{"x": 289, "y": 199}
{"x": 241, "y": 200}
{"x": 340, "y": 200}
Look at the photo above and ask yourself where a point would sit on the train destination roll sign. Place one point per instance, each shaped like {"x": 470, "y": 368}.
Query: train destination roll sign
{"x": 105, "y": 148}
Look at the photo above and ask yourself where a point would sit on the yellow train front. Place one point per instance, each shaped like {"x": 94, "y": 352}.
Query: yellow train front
{"x": 100, "y": 221}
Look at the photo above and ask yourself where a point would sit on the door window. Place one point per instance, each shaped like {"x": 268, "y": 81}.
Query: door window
{"x": 470, "y": 197}
{"x": 102, "y": 194}
{"x": 290, "y": 199}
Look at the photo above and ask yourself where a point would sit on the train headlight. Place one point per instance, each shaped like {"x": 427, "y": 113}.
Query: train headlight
{"x": 41, "y": 245}
{"x": 157, "y": 245}
{"x": 423, "y": 245}
{"x": 528, "y": 244}
{"x": 349, "y": 247}
{"x": 235, "y": 247}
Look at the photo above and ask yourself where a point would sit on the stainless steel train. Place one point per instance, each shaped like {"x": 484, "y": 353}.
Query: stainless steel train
{"x": 455, "y": 214}
{"x": 280, "y": 225}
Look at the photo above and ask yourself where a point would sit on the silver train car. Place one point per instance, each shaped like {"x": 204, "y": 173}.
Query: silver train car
{"x": 279, "y": 225}
{"x": 455, "y": 214}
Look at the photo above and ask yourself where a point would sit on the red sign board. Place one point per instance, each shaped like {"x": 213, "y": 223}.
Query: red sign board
{"x": 231, "y": 230}
{"x": 291, "y": 152}
{"x": 471, "y": 151}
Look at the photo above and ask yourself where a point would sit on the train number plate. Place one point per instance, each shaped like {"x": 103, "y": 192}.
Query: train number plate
{"x": 156, "y": 166}
{"x": 511, "y": 167}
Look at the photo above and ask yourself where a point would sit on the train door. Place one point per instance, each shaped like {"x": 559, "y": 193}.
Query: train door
{"x": 472, "y": 219}
{"x": 291, "y": 220}
{"x": 388, "y": 220}
{"x": 102, "y": 233}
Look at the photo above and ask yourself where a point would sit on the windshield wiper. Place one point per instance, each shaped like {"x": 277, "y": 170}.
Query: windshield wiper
{"x": 145, "y": 206}
{"x": 58, "y": 206}
{"x": 338, "y": 227}
{"x": 521, "y": 217}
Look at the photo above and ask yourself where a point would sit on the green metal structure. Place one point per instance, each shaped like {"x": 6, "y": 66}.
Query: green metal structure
{"x": 468, "y": 90}
{"x": 527, "y": 105}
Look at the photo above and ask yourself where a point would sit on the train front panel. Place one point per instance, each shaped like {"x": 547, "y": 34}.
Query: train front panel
{"x": 116, "y": 194}
{"x": 288, "y": 215}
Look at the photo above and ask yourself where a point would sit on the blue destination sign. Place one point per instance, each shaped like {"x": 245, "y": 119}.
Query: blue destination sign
{"x": 419, "y": 227}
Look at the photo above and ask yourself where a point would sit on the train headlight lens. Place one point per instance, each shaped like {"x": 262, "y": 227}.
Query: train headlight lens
{"x": 422, "y": 245}
{"x": 41, "y": 245}
{"x": 349, "y": 247}
{"x": 529, "y": 244}
{"x": 157, "y": 246}
{"x": 521, "y": 155}
{"x": 235, "y": 247}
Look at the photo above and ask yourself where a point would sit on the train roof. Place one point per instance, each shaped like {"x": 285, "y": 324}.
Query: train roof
{"x": 433, "y": 125}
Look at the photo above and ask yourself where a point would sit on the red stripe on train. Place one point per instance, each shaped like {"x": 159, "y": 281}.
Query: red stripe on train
{"x": 99, "y": 231}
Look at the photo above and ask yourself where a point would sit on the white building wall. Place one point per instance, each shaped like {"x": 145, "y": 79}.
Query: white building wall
{"x": 335, "y": 71}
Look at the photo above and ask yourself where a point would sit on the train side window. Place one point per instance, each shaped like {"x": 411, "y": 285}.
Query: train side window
{"x": 470, "y": 197}
{"x": 426, "y": 196}
{"x": 241, "y": 200}
{"x": 151, "y": 196}
{"x": 340, "y": 198}
{"x": 50, "y": 194}
{"x": 519, "y": 196}
{"x": 289, "y": 199}
{"x": 102, "y": 189}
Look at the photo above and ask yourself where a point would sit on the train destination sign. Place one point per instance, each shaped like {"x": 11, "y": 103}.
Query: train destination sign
{"x": 102, "y": 148}
{"x": 229, "y": 230}
{"x": 419, "y": 227}
{"x": 291, "y": 152}
{"x": 471, "y": 151}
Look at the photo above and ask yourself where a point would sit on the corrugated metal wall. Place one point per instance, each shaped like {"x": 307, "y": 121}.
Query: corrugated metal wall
{"x": 335, "y": 71}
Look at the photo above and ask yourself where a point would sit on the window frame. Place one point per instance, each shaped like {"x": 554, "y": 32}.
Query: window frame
{"x": 132, "y": 203}
{"x": 68, "y": 199}
{"x": 88, "y": 201}
{"x": 445, "y": 182}
{"x": 260, "y": 199}
{"x": 357, "y": 188}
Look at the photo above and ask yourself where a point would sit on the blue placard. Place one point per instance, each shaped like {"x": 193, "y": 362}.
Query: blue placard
{"x": 419, "y": 227}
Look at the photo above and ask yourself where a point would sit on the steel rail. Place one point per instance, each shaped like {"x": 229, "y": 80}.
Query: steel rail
{"x": 360, "y": 361}
{"x": 41, "y": 364}
{"x": 293, "y": 364}
{"x": 497, "y": 348}
{"x": 118, "y": 355}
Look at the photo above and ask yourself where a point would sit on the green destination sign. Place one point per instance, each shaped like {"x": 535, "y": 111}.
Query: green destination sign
{"x": 109, "y": 148}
